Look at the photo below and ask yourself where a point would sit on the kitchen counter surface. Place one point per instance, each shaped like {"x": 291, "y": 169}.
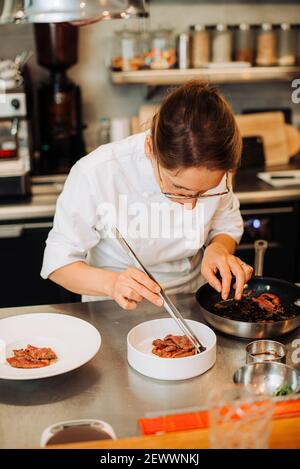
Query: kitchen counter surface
{"x": 107, "y": 388}
{"x": 45, "y": 190}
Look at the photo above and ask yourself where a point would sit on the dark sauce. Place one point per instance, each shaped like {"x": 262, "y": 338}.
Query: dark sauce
{"x": 248, "y": 310}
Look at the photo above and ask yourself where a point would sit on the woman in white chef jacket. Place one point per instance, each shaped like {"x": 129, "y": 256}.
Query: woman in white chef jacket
{"x": 169, "y": 193}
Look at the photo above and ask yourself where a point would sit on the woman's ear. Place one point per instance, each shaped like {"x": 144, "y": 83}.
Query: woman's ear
{"x": 149, "y": 147}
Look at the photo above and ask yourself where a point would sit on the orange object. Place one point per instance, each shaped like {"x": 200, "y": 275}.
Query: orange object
{"x": 199, "y": 420}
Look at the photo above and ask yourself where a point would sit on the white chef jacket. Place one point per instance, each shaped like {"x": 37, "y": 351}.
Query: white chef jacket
{"x": 115, "y": 185}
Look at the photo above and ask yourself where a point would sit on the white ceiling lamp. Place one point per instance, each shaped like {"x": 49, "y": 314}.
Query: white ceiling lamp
{"x": 75, "y": 11}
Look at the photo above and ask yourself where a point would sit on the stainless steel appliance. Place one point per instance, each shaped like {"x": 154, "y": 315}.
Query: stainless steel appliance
{"x": 14, "y": 144}
{"x": 59, "y": 123}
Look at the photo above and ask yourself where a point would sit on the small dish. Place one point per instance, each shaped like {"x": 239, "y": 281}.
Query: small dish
{"x": 268, "y": 378}
{"x": 265, "y": 351}
{"x": 141, "y": 358}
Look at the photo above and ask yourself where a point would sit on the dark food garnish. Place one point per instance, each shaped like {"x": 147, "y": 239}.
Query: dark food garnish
{"x": 284, "y": 390}
{"x": 265, "y": 307}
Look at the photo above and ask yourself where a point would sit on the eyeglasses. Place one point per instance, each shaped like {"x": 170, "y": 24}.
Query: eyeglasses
{"x": 196, "y": 196}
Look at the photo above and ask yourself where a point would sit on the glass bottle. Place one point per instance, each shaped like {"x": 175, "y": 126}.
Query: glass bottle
{"x": 104, "y": 131}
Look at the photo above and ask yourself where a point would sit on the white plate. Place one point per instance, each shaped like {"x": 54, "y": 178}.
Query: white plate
{"x": 141, "y": 358}
{"x": 75, "y": 342}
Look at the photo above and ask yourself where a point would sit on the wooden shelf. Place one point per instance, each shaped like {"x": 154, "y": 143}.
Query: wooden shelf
{"x": 222, "y": 75}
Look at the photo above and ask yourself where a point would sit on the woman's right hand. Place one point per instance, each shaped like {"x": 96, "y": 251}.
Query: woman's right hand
{"x": 130, "y": 287}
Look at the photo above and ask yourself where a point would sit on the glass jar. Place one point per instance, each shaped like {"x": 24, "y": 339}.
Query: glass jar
{"x": 128, "y": 54}
{"x": 200, "y": 45}
{"x": 266, "y": 53}
{"x": 221, "y": 44}
{"x": 162, "y": 53}
{"x": 244, "y": 43}
{"x": 286, "y": 45}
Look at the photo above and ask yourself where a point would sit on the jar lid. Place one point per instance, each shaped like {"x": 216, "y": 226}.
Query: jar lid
{"x": 285, "y": 26}
{"x": 221, "y": 27}
{"x": 244, "y": 27}
{"x": 266, "y": 26}
{"x": 198, "y": 27}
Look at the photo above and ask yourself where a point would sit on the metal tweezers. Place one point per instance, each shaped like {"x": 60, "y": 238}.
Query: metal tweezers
{"x": 167, "y": 303}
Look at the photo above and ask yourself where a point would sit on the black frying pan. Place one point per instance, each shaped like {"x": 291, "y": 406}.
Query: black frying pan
{"x": 289, "y": 294}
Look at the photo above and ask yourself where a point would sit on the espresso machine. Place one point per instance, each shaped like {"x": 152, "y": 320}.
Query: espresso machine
{"x": 59, "y": 137}
{"x": 15, "y": 160}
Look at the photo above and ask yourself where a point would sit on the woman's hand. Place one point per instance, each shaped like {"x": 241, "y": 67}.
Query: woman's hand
{"x": 217, "y": 259}
{"x": 130, "y": 287}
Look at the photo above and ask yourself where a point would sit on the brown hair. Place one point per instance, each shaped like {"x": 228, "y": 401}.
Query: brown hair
{"x": 195, "y": 126}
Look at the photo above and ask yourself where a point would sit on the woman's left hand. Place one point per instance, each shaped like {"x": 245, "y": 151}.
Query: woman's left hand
{"x": 217, "y": 259}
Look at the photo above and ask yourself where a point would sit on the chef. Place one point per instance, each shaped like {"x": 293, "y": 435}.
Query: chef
{"x": 169, "y": 192}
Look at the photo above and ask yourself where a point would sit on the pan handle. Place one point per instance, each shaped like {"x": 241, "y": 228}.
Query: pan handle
{"x": 260, "y": 246}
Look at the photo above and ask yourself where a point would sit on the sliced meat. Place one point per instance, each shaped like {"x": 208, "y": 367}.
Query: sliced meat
{"x": 20, "y": 353}
{"x": 268, "y": 302}
{"x": 20, "y": 362}
{"x": 182, "y": 353}
{"x": 32, "y": 357}
{"x": 40, "y": 353}
{"x": 173, "y": 346}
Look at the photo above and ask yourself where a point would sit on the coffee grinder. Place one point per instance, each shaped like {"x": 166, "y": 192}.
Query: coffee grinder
{"x": 60, "y": 140}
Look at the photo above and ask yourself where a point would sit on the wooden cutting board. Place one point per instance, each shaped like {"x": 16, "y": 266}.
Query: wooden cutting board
{"x": 271, "y": 127}
{"x": 293, "y": 138}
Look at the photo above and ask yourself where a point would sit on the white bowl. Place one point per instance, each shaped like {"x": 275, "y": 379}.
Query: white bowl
{"x": 141, "y": 358}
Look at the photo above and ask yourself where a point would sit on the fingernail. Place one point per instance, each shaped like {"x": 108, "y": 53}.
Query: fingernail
{"x": 159, "y": 302}
{"x": 157, "y": 289}
{"x": 218, "y": 288}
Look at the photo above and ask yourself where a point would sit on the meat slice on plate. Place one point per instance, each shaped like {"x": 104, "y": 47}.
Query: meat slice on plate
{"x": 32, "y": 357}
{"x": 41, "y": 353}
{"x": 20, "y": 362}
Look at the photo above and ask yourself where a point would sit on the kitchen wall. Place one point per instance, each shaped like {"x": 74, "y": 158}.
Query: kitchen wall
{"x": 101, "y": 98}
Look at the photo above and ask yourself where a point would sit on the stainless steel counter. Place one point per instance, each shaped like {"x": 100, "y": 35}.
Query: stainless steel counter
{"x": 45, "y": 190}
{"x": 107, "y": 388}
